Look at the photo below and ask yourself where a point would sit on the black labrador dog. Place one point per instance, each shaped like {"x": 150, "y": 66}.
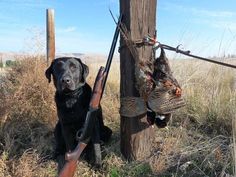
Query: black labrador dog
{"x": 72, "y": 99}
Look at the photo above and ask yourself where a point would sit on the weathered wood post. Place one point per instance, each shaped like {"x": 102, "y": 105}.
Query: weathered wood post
{"x": 50, "y": 35}
{"x": 140, "y": 20}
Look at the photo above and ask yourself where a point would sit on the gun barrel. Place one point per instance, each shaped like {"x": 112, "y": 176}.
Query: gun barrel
{"x": 112, "y": 50}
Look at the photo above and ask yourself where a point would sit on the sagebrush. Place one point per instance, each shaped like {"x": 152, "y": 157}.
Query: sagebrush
{"x": 197, "y": 142}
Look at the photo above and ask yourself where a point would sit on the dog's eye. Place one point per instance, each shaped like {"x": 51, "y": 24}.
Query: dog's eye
{"x": 59, "y": 65}
{"x": 72, "y": 66}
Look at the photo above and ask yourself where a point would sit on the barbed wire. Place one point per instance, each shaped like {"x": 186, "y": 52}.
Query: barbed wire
{"x": 188, "y": 53}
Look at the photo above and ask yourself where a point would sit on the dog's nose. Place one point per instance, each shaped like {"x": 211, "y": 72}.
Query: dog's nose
{"x": 66, "y": 80}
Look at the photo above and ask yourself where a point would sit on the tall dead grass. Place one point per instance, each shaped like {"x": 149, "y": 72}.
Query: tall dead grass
{"x": 198, "y": 141}
{"x": 28, "y": 116}
{"x": 210, "y": 94}
{"x": 202, "y": 130}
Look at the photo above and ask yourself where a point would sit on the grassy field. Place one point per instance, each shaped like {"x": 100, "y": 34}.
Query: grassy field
{"x": 198, "y": 141}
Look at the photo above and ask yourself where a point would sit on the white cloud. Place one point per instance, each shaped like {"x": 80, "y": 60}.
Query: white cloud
{"x": 221, "y": 19}
{"x": 114, "y": 1}
{"x": 200, "y": 12}
{"x": 214, "y": 30}
{"x": 231, "y": 25}
{"x": 106, "y": 2}
{"x": 67, "y": 29}
{"x": 23, "y": 4}
{"x": 217, "y": 23}
{"x": 210, "y": 13}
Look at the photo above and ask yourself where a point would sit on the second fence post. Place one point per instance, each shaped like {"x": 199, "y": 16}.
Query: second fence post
{"x": 50, "y": 35}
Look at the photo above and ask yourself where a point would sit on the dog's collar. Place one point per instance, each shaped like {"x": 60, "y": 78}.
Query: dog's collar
{"x": 73, "y": 93}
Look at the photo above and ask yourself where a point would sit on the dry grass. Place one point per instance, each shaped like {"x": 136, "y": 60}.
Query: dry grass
{"x": 198, "y": 141}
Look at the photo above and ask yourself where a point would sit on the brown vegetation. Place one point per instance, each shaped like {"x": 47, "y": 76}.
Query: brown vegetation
{"x": 197, "y": 142}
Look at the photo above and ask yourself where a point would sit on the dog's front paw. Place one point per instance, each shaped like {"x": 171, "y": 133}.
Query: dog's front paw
{"x": 60, "y": 162}
{"x": 98, "y": 156}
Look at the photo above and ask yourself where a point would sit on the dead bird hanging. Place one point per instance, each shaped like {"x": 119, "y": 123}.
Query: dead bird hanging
{"x": 160, "y": 93}
{"x": 164, "y": 98}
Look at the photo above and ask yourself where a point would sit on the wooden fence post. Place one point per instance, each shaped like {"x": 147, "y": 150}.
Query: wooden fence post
{"x": 140, "y": 20}
{"x": 50, "y": 35}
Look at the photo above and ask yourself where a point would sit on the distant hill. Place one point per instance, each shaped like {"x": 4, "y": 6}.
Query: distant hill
{"x": 4, "y": 56}
{"x": 97, "y": 58}
{"x": 88, "y": 57}
{"x": 77, "y": 55}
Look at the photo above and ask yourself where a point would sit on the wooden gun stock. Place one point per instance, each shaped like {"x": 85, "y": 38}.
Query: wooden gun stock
{"x": 69, "y": 169}
{"x": 72, "y": 159}
{"x": 74, "y": 156}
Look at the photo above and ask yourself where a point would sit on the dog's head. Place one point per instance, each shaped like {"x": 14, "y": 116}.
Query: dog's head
{"x": 68, "y": 73}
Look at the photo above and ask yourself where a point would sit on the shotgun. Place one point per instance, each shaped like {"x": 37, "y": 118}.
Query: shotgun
{"x": 99, "y": 85}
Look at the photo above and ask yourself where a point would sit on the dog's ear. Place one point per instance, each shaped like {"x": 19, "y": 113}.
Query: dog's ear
{"x": 48, "y": 72}
{"x": 85, "y": 69}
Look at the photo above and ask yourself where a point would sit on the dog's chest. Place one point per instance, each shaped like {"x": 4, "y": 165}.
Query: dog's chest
{"x": 70, "y": 103}
{"x": 73, "y": 106}
{"x": 72, "y": 109}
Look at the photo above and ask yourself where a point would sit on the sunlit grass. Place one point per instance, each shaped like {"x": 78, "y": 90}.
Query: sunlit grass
{"x": 197, "y": 142}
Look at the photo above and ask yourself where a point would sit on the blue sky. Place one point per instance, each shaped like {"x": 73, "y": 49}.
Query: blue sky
{"x": 206, "y": 27}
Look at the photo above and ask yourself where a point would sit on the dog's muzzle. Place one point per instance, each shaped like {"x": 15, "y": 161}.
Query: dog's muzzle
{"x": 66, "y": 83}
